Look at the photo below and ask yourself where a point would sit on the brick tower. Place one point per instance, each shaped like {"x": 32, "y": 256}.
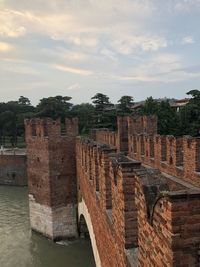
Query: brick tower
{"x": 52, "y": 177}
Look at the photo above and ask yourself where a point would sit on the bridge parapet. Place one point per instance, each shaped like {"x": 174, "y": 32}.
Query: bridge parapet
{"x": 112, "y": 202}
{"x": 177, "y": 156}
{"x": 140, "y": 206}
{"x": 168, "y": 220}
{"x": 137, "y": 136}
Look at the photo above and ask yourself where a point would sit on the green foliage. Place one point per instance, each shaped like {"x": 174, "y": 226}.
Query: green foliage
{"x": 101, "y": 114}
{"x": 85, "y": 113}
{"x": 12, "y": 115}
{"x": 150, "y": 107}
{"x": 125, "y": 102}
{"x": 190, "y": 115}
{"x": 101, "y": 102}
{"x": 167, "y": 119}
{"x": 54, "y": 107}
{"x": 24, "y": 101}
{"x": 105, "y": 113}
{"x": 168, "y": 123}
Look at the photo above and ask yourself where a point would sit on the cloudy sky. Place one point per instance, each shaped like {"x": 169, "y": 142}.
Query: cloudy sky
{"x": 81, "y": 47}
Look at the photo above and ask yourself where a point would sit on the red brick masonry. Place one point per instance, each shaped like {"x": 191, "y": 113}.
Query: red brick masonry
{"x": 13, "y": 170}
{"x": 141, "y": 189}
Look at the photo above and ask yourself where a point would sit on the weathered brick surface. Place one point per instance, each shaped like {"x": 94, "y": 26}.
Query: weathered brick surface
{"x": 168, "y": 221}
{"x": 130, "y": 204}
{"x": 112, "y": 209}
{"x": 13, "y": 170}
{"x": 177, "y": 156}
{"x": 104, "y": 136}
{"x": 166, "y": 208}
{"x": 52, "y": 173}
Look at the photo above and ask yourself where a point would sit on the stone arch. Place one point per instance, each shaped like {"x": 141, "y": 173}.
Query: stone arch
{"x": 84, "y": 220}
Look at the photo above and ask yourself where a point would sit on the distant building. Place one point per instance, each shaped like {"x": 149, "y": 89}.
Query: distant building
{"x": 179, "y": 104}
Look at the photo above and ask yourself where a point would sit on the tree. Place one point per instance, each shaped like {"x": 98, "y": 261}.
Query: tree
{"x": 125, "y": 102}
{"x": 105, "y": 113}
{"x": 168, "y": 123}
{"x": 101, "y": 102}
{"x": 54, "y": 107}
{"x": 190, "y": 115}
{"x": 150, "y": 107}
{"x": 195, "y": 95}
{"x": 85, "y": 113}
{"x": 24, "y": 101}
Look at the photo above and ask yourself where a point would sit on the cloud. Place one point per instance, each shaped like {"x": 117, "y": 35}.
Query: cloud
{"x": 161, "y": 68}
{"x": 186, "y": 5}
{"x": 5, "y": 47}
{"x": 106, "y": 42}
{"x": 108, "y": 54}
{"x": 11, "y": 24}
{"x": 188, "y": 40}
{"x": 128, "y": 44}
{"x": 82, "y": 24}
{"x": 73, "y": 87}
{"x": 72, "y": 70}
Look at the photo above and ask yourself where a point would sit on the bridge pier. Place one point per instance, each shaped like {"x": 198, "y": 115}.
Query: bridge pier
{"x": 51, "y": 167}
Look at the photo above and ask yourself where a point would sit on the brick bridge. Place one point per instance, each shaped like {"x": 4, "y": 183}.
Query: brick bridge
{"x": 135, "y": 192}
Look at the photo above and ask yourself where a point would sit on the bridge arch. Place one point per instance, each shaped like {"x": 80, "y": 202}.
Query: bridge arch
{"x": 84, "y": 216}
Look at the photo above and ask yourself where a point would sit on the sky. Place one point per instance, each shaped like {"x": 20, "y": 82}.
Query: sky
{"x": 78, "y": 48}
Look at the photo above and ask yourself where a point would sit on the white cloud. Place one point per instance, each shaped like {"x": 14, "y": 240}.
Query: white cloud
{"x": 11, "y": 24}
{"x": 5, "y": 47}
{"x": 73, "y": 87}
{"x": 188, "y": 40}
{"x": 186, "y": 5}
{"x": 105, "y": 41}
{"x": 72, "y": 70}
{"x": 161, "y": 68}
{"x": 128, "y": 44}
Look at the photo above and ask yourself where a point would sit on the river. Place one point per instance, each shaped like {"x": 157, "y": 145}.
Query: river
{"x": 19, "y": 247}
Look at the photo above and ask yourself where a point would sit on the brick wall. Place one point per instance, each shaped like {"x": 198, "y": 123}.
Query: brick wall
{"x": 104, "y": 136}
{"x": 126, "y": 126}
{"x": 179, "y": 156}
{"x": 140, "y": 216}
{"x": 168, "y": 222}
{"x": 111, "y": 204}
{"x": 145, "y": 208}
{"x": 13, "y": 170}
{"x": 52, "y": 176}
{"x": 135, "y": 206}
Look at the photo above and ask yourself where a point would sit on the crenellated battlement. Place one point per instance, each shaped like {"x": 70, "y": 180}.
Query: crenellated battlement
{"x": 138, "y": 191}
{"x": 177, "y": 156}
{"x": 138, "y": 138}
{"x": 49, "y": 128}
{"x": 142, "y": 125}
{"x": 139, "y": 205}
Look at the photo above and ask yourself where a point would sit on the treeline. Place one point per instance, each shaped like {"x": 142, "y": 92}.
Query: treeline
{"x": 170, "y": 122}
{"x": 100, "y": 114}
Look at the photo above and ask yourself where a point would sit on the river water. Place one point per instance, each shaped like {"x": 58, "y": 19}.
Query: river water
{"x": 19, "y": 247}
